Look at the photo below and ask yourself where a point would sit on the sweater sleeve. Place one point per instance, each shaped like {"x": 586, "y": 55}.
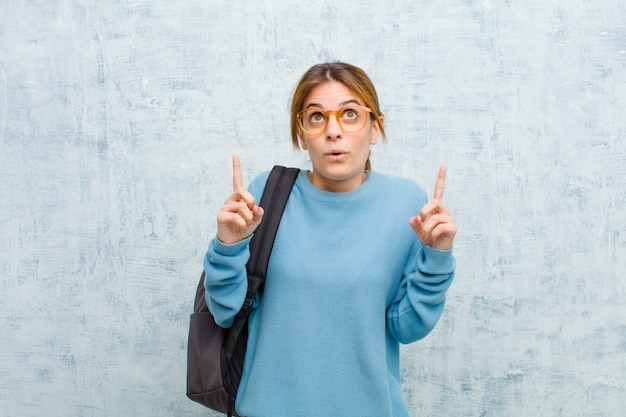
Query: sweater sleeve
{"x": 422, "y": 293}
{"x": 226, "y": 280}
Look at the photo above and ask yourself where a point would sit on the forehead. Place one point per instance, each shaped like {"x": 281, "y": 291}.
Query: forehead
{"x": 331, "y": 94}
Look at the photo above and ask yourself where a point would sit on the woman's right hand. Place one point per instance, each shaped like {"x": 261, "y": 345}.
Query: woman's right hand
{"x": 239, "y": 217}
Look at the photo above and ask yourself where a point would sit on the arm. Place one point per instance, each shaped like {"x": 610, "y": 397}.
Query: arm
{"x": 226, "y": 279}
{"x": 421, "y": 296}
{"x": 429, "y": 273}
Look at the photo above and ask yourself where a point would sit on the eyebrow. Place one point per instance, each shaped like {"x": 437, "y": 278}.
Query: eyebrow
{"x": 343, "y": 103}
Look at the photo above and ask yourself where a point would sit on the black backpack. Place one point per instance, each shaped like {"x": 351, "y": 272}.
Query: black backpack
{"x": 215, "y": 355}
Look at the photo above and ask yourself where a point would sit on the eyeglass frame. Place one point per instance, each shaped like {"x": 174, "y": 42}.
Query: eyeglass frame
{"x": 337, "y": 112}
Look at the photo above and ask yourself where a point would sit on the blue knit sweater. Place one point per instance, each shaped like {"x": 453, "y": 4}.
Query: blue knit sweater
{"x": 348, "y": 281}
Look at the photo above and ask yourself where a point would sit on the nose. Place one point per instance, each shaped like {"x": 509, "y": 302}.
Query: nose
{"x": 333, "y": 129}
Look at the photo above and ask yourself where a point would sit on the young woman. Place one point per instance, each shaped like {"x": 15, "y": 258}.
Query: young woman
{"x": 361, "y": 262}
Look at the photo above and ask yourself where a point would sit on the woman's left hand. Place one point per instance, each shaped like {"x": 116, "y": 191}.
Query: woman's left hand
{"x": 434, "y": 225}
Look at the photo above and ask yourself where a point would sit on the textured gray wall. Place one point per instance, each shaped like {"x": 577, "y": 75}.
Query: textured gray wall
{"x": 117, "y": 122}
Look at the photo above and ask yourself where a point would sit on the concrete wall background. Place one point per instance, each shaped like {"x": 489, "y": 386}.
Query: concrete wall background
{"x": 117, "y": 122}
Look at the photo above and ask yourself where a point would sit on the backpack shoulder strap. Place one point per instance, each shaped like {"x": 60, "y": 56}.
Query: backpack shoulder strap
{"x": 274, "y": 199}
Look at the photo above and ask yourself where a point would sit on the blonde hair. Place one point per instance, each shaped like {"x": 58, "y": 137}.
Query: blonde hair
{"x": 352, "y": 77}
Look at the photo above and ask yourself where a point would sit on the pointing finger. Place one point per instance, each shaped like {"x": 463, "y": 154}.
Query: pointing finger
{"x": 239, "y": 191}
{"x": 441, "y": 179}
{"x": 237, "y": 176}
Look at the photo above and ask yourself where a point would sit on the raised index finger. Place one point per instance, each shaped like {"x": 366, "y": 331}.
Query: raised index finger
{"x": 237, "y": 177}
{"x": 441, "y": 179}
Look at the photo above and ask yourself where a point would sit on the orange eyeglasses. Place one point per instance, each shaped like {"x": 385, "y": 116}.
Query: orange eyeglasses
{"x": 352, "y": 118}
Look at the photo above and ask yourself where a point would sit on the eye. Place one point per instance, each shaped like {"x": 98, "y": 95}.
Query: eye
{"x": 316, "y": 117}
{"x": 349, "y": 114}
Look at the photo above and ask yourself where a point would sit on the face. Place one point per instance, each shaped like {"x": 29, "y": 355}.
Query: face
{"x": 338, "y": 156}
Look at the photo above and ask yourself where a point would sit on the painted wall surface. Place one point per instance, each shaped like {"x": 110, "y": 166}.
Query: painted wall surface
{"x": 117, "y": 122}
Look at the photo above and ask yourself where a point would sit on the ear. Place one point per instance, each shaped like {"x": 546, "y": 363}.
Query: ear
{"x": 303, "y": 143}
{"x": 376, "y": 130}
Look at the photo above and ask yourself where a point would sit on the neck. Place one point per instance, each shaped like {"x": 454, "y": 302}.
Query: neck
{"x": 337, "y": 186}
